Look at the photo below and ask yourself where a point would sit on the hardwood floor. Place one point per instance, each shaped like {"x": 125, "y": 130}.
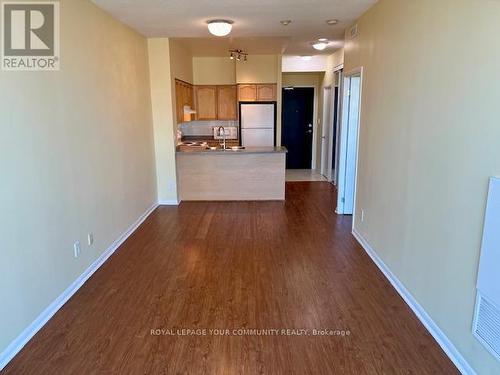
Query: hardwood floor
{"x": 237, "y": 265}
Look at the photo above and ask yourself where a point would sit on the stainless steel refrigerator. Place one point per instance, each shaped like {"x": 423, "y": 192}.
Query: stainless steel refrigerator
{"x": 258, "y": 124}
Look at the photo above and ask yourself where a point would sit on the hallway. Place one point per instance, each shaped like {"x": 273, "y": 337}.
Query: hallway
{"x": 249, "y": 265}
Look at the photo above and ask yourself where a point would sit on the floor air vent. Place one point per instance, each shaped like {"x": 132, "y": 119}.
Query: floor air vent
{"x": 487, "y": 325}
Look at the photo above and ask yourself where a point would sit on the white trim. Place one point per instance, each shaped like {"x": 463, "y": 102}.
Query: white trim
{"x": 338, "y": 125}
{"x": 20, "y": 341}
{"x": 443, "y": 341}
{"x": 343, "y": 147}
{"x": 359, "y": 70}
{"x": 168, "y": 202}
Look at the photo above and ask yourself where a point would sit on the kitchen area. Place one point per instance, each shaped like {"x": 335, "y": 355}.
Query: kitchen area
{"x": 227, "y": 144}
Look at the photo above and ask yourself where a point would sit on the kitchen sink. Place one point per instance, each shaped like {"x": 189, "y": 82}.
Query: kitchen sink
{"x": 232, "y": 148}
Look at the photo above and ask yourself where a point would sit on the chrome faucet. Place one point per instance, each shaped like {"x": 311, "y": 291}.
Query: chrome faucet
{"x": 222, "y": 133}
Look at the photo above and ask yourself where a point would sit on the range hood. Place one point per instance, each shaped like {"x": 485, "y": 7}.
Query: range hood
{"x": 188, "y": 112}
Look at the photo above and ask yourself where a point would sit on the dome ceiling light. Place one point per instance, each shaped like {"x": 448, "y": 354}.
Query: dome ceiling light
{"x": 321, "y": 44}
{"x": 220, "y": 27}
{"x": 332, "y": 22}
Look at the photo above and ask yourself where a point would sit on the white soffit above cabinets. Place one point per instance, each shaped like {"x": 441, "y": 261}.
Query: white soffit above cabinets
{"x": 292, "y": 64}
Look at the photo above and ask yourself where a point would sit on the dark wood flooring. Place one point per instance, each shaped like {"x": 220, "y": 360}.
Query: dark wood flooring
{"x": 248, "y": 265}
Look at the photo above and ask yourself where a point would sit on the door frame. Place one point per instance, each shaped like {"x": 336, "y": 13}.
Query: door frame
{"x": 340, "y": 204}
{"x": 314, "y": 120}
{"x": 329, "y": 110}
{"x": 338, "y": 69}
{"x": 327, "y": 122}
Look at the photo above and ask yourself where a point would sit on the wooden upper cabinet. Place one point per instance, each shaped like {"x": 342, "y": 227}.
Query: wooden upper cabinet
{"x": 206, "y": 102}
{"x": 247, "y": 93}
{"x": 183, "y": 97}
{"x": 227, "y": 103}
{"x": 259, "y": 93}
{"x": 266, "y": 93}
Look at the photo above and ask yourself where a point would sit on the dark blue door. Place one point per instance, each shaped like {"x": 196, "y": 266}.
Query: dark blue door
{"x": 297, "y": 126}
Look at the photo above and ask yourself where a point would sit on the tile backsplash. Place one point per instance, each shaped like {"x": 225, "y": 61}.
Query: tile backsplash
{"x": 199, "y": 128}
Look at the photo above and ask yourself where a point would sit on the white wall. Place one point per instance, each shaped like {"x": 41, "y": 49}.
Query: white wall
{"x": 430, "y": 139}
{"x": 294, "y": 64}
{"x": 77, "y": 157}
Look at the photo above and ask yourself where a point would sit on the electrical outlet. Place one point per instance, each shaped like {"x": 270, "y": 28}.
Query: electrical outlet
{"x": 90, "y": 239}
{"x": 362, "y": 215}
{"x": 77, "y": 248}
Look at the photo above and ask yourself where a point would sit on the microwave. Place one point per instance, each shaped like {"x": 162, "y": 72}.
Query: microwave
{"x": 231, "y": 132}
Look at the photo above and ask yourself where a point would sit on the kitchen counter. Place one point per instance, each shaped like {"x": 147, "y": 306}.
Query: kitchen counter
{"x": 209, "y": 140}
{"x": 255, "y": 173}
{"x": 247, "y": 150}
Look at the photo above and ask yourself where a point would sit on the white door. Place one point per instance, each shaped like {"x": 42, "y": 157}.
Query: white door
{"x": 349, "y": 144}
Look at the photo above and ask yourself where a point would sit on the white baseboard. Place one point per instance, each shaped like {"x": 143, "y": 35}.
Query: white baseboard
{"x": 443, "y": 341}
{"x": 30, "y": 331}
{"x": 168, "y": 202}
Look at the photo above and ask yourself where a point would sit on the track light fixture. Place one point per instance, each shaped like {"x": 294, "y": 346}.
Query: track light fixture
{"x": 238, "y": 55}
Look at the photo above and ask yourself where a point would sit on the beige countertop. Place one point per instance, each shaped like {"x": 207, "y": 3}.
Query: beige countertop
{"x": 246, "y": 151}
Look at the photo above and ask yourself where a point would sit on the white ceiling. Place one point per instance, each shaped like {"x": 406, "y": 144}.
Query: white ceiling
{"x": 253, "y": 19}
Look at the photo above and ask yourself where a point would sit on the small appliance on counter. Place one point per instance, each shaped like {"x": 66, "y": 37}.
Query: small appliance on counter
{"x": 230, "y": 132}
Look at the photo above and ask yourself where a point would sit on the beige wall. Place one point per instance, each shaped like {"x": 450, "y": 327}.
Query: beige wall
{"x": 162, "y": 102}
{"x": 77, "y": 157}
{"x": 279, "y": 87}
{"x": 429, "y": 141}
{"x": 259, "y": 69}
{"x": 181, "y": 67}
{"x": 333, "y": 61}
{"x": 214, "y": 71}
{"x": 181, "y": 61}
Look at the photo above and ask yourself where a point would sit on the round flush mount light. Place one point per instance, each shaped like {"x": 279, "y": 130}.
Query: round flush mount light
{"x": 321, "y": 44}
{"x": 286, "y": 22}
{"x": 332, "y": 22}
{"x": 220, "y": 27}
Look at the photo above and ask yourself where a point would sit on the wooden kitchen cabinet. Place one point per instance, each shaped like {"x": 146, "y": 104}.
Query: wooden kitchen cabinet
{"x": 227, "y": 102}
{"x": 247, "y": 93}
{"x": 206, "y": 102}
{"x": 257, "y": 93}
{"x": 266, "y": 93}
{"x": 183, "y": 96}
